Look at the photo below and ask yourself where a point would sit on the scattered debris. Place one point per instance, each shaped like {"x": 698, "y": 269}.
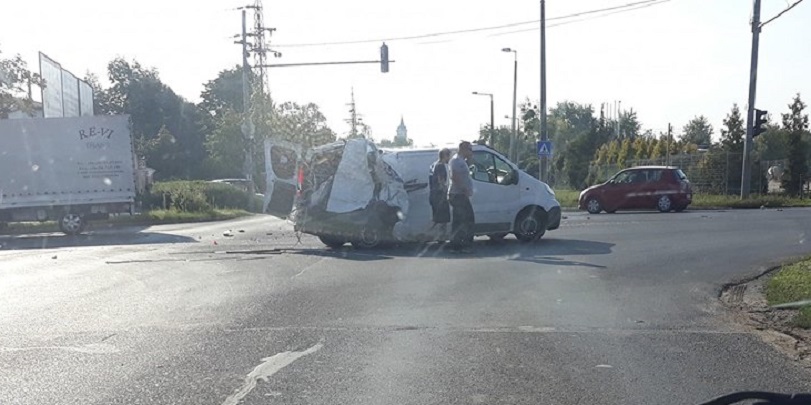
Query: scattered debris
{"x": 215, "y": 243}
{"x": 53, "y": 257}
{"x": 241, "y": 231}
{"x": 603, "y": 366}
{"x": 228, "y": 233}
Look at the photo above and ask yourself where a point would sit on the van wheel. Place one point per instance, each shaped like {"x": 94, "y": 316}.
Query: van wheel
{"x": 369, "y": 238}
{"x": 332, "y": 242}
{"x": 530, "y": 225}
{"x": 71, "y": 223}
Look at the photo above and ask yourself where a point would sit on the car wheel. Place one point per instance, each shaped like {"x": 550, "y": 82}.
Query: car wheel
{"x": 332, "y": 242}
{"x": 530, "y": 225}
{"x": 369, "y": 238}
{"x": 593, "y": 206}
{"x": 664, "y": 204}
{"x": 71, "y": 223}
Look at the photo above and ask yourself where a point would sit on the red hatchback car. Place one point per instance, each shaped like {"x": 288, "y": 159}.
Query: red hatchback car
{"x": 664, "y": 188}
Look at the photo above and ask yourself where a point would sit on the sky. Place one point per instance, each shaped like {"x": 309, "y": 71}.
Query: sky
{"x": 669, "y": 62}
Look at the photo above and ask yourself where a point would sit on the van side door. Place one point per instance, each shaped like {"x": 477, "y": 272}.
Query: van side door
{"x": 282, "y": 164}
{"x": 495, "y": 192}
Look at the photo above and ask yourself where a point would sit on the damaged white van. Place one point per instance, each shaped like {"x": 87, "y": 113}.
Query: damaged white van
{"x": 352, "y": 192}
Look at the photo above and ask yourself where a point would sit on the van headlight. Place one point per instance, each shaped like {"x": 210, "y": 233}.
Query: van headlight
{"x": 549, "y": 189}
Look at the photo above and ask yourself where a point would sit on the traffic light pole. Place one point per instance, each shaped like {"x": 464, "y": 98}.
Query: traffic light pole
{"x": 746, "y": 170}
{"x": 542, "y": 102}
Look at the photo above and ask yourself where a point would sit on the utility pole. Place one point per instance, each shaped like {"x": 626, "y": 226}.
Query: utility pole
{"x": 353, "y": 117}
{"x": 746, "y": 170}
{"x": 542, "y": 171}
{"x": 669, "y": 141}
{"x": 514, "y": 137}
{"x": 492, "y": 124}
{"x": 247, "y": 124}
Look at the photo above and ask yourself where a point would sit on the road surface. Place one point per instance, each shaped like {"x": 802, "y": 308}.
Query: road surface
{"x": 609, "y": 309}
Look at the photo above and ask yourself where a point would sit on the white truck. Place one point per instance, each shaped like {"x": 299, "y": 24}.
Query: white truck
{"x": 66, "y": 169}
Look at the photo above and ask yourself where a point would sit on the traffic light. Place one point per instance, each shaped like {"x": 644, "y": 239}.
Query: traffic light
{"x": 384, "y": 58}
{"x": 760, "y": 121}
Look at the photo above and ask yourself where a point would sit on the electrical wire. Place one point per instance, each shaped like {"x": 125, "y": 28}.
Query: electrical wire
{"x": 657, "y": 2}
{"x": 632, "y": 5}
{"x": 781, "y": 13}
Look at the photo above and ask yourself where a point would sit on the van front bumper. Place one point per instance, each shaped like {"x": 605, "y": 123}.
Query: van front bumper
{"x": 553, "y": 217}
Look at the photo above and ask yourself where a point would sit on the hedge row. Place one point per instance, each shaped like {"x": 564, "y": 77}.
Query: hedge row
{"x": 199, "y": 196}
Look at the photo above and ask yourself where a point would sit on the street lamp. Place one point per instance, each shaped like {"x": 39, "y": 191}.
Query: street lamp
{"x": 515, "y": 97}
{"x": 492, "y": 118}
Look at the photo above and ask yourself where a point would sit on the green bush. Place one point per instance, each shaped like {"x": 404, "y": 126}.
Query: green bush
{"x": 199, "y": 196}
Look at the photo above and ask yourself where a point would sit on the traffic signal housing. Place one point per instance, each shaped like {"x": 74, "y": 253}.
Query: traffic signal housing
{"x": 384, "y": 58}
{"x": 761, "y": 120}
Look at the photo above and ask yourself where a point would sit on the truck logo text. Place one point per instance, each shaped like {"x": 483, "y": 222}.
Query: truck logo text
{"x": 95, "y": 133}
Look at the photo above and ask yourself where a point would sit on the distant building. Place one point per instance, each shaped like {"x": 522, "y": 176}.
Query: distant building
{"x": 402, "y": 133}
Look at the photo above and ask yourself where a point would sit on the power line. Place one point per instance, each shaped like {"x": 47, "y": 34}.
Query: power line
{"x": 781, "y": 13}
{"x": 470, "y": 30}
{"x": 636, "y": 7}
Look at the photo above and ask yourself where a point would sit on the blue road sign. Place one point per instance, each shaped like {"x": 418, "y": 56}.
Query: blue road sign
{"x": 544, "y": 148}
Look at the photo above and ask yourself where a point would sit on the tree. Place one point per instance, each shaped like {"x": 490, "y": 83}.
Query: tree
{"x": 167, "y": 129}
{"x": 629, "y": 125}
{"x": 698, "y": 131}
{"x": 796, "y": 123}
{"x": 733, "y": 133}
{"x": 302, "y": 124}
{"x": 657, "y": 149}
{"x": 772, "y": 144}
{"x": 640, "y": 148}
{"x": 612, "y": 154}
{"x": 624, "y": 152}
{"x": 15, "y": 82}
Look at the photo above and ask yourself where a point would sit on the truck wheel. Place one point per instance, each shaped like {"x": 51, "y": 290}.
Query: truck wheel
{"x": 530, "y": 225}
{"x": 71, "y": 223}
{"x": 332, "y": 242}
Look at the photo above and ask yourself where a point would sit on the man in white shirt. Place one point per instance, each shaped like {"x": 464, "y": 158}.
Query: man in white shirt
{"x": 459, "y": 193}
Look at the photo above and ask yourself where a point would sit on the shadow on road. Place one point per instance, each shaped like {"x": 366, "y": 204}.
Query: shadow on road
{"x": 132, "y": 235}
{"x": 547, "y": 251}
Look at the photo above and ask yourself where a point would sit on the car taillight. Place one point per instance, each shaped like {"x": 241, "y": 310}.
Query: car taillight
{"x": 300, "y": 182}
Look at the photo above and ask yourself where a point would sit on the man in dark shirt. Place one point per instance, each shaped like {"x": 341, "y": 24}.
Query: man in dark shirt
{"x": 438, "y": 197}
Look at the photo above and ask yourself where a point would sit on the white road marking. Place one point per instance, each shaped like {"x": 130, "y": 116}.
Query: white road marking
{"x": 92, "y": 348}
{"x": 269, "y": 366}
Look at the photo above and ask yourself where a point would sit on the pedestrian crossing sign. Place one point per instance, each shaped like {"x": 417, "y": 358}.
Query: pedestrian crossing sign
{"x": 544, "y": 148}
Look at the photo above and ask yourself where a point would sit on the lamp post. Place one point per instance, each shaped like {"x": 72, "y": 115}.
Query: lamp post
{"x": 492, "y": 118}
{"x": 514, "y": 135}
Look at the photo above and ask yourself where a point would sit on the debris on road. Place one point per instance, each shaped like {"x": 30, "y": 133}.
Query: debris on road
{"x": 228, "y": 233}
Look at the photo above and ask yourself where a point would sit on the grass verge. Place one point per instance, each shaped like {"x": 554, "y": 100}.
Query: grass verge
{"x": 790, "y": 284}
{"x": 152, "y": 217}
{"x": 731, "y": 201}
{"x": 569, "y": 199}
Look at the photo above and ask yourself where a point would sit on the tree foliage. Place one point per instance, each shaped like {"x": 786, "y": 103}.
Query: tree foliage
{"x": 795, "y": 123}
{"x": 15, "y": 79}
{"x": 167, "y": 130}
{"x": 733, "y": 133}
{"x": 698, "y": 131}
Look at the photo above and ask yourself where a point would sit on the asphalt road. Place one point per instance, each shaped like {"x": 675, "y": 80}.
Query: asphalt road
{"x": 609, "y": 309}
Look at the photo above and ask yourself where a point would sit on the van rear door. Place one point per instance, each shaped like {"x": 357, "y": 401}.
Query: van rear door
{"x": 282, "y": 164}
